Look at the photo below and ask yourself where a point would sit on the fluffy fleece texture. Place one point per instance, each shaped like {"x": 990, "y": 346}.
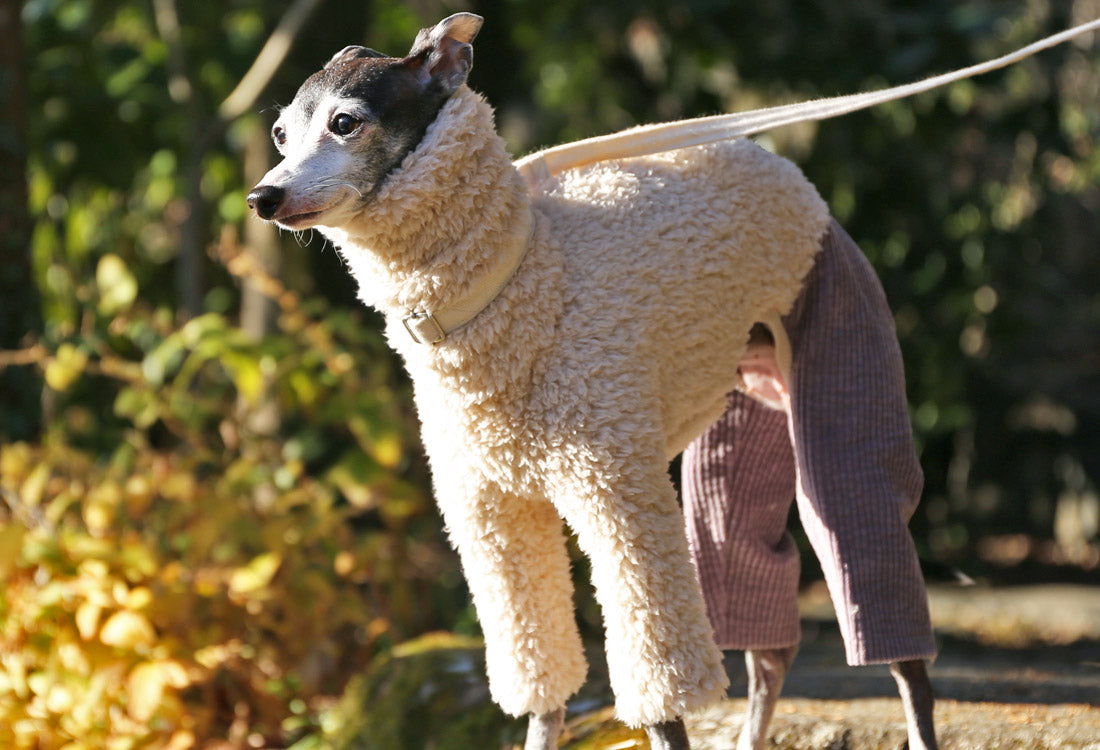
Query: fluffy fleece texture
{"x": 612, "y": 346}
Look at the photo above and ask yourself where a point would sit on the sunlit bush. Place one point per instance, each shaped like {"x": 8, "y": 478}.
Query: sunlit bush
{"x": 213, "y": 534}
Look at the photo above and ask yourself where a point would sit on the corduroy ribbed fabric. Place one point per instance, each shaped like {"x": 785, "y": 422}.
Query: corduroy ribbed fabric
{"x": 738, "y": 484}
{"x": 853, "y": 470}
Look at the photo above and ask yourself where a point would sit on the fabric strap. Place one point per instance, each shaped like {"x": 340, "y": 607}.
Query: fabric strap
{"x": 433, "y": 326}
{"x": 652, "y": 139}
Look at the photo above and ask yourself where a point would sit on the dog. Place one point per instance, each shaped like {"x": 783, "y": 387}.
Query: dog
{"x": 563, "y": 342}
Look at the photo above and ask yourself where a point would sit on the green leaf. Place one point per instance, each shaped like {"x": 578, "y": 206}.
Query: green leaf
{"x": 117, "y": 286}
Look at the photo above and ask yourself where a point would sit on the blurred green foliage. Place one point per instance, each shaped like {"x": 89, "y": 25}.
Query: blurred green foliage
{"x": 212, "y": 531}
{"x": 428, "y": 692}
{"x": 979, "y": 206}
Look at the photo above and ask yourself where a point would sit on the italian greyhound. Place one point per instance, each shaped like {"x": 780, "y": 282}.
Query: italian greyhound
{"x": 349, "y": 130}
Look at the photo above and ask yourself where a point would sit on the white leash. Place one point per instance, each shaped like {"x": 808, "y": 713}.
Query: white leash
{"x": 653, "y": 139}
{"x": 432, "y": 327}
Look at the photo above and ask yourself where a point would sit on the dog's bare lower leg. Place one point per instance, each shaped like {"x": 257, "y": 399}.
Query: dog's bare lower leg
{"x": 543, "y": 730}
{"x": 767, "y": 668}
{"x": 668, "y": 735}
{"x": 916, "y": 697}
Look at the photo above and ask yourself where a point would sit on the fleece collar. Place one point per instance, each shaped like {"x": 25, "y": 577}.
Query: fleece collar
{"x": 427, "y": 326}
{"x": 447, "y": 230}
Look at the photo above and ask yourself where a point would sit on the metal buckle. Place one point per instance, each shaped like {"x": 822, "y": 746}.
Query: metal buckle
{"x": 424, "y": 328}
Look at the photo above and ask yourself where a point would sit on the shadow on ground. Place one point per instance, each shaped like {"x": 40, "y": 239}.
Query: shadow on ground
{"x": 1019, "y": 667}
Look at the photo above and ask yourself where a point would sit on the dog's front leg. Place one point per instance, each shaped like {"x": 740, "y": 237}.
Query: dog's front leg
{"x": 668, "y": 735}
{"x": 661, "y": 656}
{"x": 516, "y": 564}
{"x": 917, "y": 699}
{"x": 767, "y": 668}
{"x": 543, "y": 730}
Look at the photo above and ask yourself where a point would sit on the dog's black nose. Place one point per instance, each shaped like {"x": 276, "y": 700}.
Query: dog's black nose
{"x": 266, "y": 199}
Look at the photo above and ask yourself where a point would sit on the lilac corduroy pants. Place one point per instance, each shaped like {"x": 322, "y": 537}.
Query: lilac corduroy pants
{"x": 844, "y": 450}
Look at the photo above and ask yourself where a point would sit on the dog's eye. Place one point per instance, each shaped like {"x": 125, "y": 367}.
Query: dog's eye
{"x": 344, "y": 124}
{"x": 278, "y": 135}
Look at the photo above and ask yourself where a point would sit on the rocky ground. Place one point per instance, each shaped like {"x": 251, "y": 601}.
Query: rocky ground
{"x": 1019, "y": 667}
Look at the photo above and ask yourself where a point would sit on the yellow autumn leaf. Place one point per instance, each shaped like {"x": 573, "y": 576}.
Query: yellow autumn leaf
{"x": 139, "y": 597}
{"x": 181, "y": 740}
{"x": 247, "y": 376}
{"x": 40, "y": 683}
{"x": 94, "y": 569}
{"x": 343, "y": 563}
{"x": 98, "y": 518}
{"x": 145, "y": 688}
{"x": 126, "y": 629}
{"x": 59, "y": 505}
{"x": 146, "y": 685}
{"x": 72, "y": 657}
{"x": 11, "y": 546}
{"x": 179, "y": 485}
{"x": 257, "y": 574}
{"x": 211, "y": 656}
{"x": 139, "y": 495}
{"x": 16, "y": 460}
{"x": 171, "y": 573}
{"x": 175, "y": 674}
{"x": 34, "y": 487}
{"x": 120, "y": 593}
{"x": 100, "y": 507}
{"x": 87, "y": 619}
{"x": 16, "y": 669}
{"x": 63, "y": 370}
{"x": 59, "y": 699}
{"x": 388, "y": 450}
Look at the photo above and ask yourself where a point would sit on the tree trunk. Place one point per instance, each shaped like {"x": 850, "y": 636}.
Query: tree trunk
{"x": 258, "y": 311}
{"x": 261, "y": 240}
{"x": 189, "y": 257}
{"x": 205, "y": 131}
{"x": 20, "y": 312}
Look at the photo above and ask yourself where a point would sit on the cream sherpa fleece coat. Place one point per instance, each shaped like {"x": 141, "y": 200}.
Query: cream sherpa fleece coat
{"x": 612, "y": 346}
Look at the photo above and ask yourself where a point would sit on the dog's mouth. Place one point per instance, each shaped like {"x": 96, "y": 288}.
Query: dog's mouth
{"x": 297, "y": 221}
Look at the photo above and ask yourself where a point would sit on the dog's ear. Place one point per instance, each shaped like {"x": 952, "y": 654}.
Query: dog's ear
{"x": 442, "y": 55}
{"x": 351, "y": 52}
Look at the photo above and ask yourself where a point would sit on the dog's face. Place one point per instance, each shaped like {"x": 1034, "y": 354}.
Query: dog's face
{"x": 354, "y": 121}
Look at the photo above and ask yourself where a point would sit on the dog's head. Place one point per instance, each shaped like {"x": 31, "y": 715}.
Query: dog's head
{"x": 354, "y": 121}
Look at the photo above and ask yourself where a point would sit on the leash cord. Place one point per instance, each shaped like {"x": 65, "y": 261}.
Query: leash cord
{"x": 653, "y": 139}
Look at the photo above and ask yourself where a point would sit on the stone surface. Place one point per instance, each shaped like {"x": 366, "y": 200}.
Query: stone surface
{"x": 1019, "y": 667}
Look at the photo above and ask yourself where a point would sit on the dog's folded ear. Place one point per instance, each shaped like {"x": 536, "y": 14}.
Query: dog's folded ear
{"x": 351, "y": 52}
{"x": 442, "y": 55}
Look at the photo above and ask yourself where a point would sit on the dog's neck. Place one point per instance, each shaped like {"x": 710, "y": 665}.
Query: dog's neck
{"x": 445, "y": 221}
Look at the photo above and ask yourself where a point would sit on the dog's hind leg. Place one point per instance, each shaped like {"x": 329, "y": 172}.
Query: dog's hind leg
{"x": 917, "y": 699}
{"x": 543, "y": 730}
{"x": 739, "y": 481}
{"x": 767, "y": 669}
